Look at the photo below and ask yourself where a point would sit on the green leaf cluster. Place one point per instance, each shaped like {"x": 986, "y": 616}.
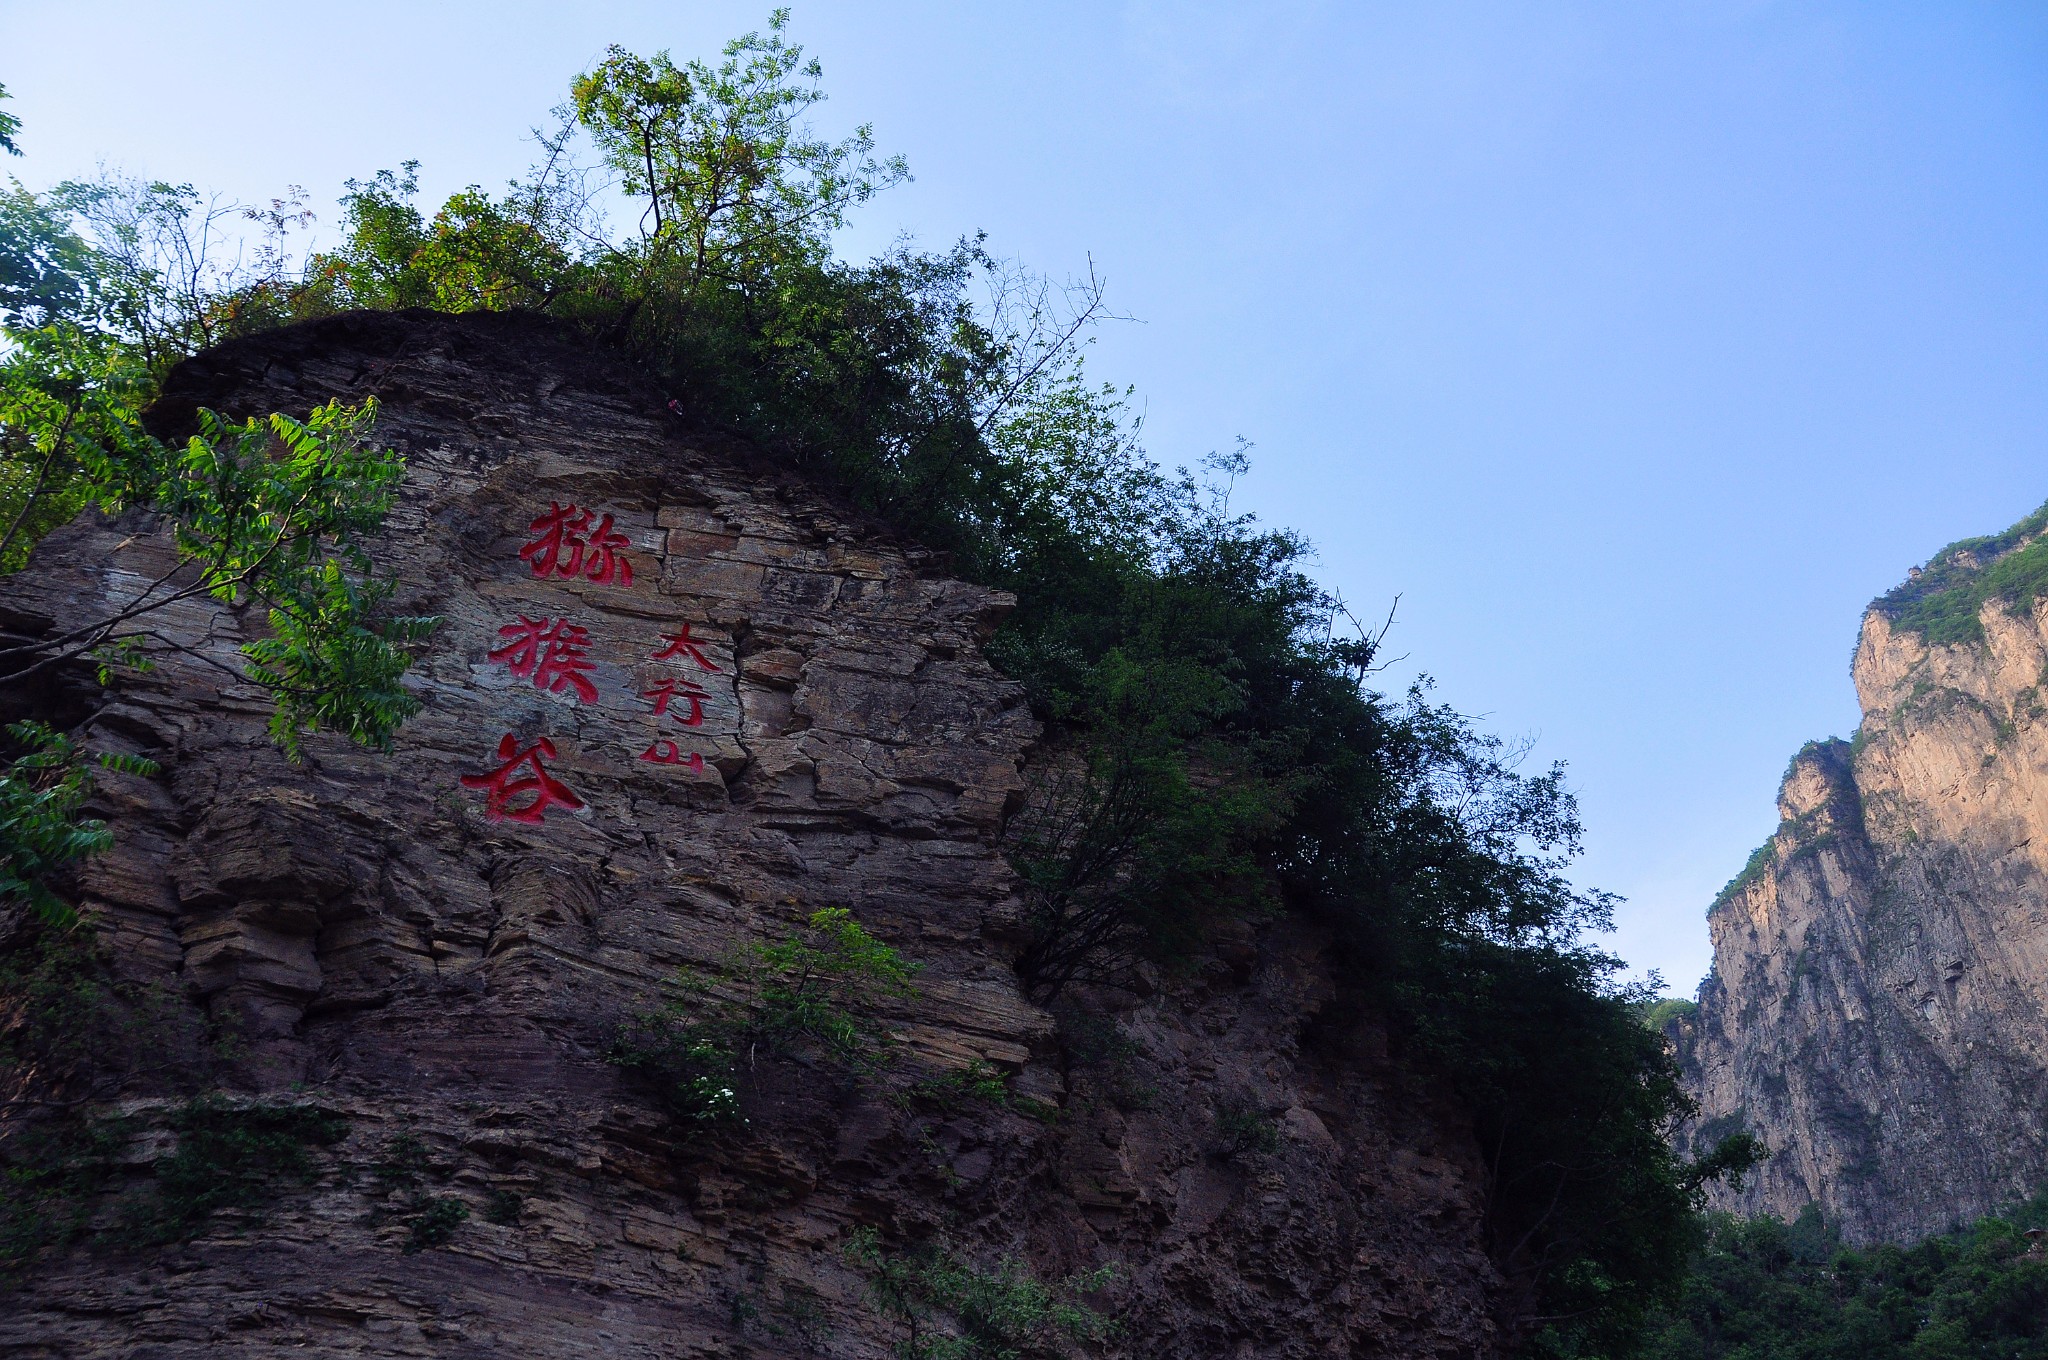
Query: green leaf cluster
{"x": 948, "y": 1308}
{"x": 43, "y": 791}
{"x": 229, "y": 1156}
{"x": 278, "y": 511}
{"x": 9, "y": 126}
{"x": 401, "y": 1173}
{"x": 817, "y": 988}
{"x": 103, "y": 286}
{"x": 51, "y": 1177}
{"x": 56, "y": 1175}
{"x": 1763, "y": 1289}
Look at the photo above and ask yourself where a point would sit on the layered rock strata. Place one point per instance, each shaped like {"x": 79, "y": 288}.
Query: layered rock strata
{"x": 1878, "y": 1007}
{"x": 677, "y": 701}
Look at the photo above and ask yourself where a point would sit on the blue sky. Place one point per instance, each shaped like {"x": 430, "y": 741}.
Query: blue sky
{"x": 1635, "y": 347}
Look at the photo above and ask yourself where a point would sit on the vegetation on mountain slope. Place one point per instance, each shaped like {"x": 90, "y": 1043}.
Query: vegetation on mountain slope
{"x": 1944, "y": 601}
{"x": 1762, "y": 1289}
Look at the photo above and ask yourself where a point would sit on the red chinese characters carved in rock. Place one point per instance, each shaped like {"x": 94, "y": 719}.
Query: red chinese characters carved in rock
{"x": 566, "y": 545}
{"x": 549, "y": 652}
{"x": 678, "y": 689}
{"x": 665, "y": 752}
{"x": 505, "y": 786}
{"x": 682, "y": 644}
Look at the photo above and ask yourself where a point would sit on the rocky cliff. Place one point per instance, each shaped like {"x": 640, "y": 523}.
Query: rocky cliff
{"x": 1878, "y": 1007}
{"x": 677, "y": 701}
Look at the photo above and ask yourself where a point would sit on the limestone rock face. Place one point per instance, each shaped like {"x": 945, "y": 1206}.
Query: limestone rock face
{"x": 1878, "y": 1007}
{"x": 677, "y": 701}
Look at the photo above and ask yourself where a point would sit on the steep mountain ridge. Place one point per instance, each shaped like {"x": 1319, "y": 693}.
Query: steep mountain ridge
{"x": 1878, "y": 1007}
{"x": 442, "y": 979}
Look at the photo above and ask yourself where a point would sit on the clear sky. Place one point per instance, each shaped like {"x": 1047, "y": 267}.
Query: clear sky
{"x": 1634, "y": 346}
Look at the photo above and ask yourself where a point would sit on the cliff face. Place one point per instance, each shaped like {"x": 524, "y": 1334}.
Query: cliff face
{"x": 768, "y": 711}
{"x": 1878, "y": 1007}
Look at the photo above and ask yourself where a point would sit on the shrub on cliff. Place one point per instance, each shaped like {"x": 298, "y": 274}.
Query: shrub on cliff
{"x": 817, "y": 988}
{"x": 1944, "y": 602}
{"x": 102, "y": 287}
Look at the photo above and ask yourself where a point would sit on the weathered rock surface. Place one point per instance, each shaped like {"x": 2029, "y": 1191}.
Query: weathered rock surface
{"x": 393, "y": 953}
{"x": 1878, "y": 1007}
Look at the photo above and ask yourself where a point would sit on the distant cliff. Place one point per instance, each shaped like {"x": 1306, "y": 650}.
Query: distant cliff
{"x": 1878, "y": 1007}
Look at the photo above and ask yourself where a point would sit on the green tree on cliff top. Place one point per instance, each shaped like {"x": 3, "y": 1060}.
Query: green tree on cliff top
{"x": 102, "y": 287}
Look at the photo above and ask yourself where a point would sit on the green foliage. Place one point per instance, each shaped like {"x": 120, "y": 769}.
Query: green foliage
{"x": 959, "y": 1089}
{"x": 45, "y": 268}
{"x": 42, "y": 792}
{"x": 951, "y": 1309}
{"x": 50, "y": 1177}
{"x": 9, "y": 126}
{"x": 689, "y": 1061}
{"x": 71, "y": 1034}
{"x": 400, "y": 1174}
{"x": 817, "y": 989}
{"x": 1762, "y": 1289}
{"x": 822, "y": 983}
{"x": 1944, "y": 604}
{"x": 1752, "y": 873}
{"x": 1242, "y": 1127}
{"x": 728, "y": 170}
{"x": 472, "y": 254}
{"x": 433, "y": 1221}
{"x": 103, "y": 286}
{"x": 1655, "y": 1015}
{"x": 504, "y": 1208}
{"x": 229, "y": 1156}
{"x": 1104, "y": 1057}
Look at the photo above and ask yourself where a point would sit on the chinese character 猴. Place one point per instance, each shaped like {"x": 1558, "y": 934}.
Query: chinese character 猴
{"x": 550, "y": 652}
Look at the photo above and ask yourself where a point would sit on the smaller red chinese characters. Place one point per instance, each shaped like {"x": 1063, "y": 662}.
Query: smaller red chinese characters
{"x": 550, "y": 652}
{"x": 665, "y": 752}
{"x": 504, "y": 786}
{"x": 566, "y": 545}
{"x": 678, "y": 689}
{"x": 682, "y": 644}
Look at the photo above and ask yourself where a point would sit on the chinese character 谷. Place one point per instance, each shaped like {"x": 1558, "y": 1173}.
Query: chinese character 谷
{"x": 501, "y": 788}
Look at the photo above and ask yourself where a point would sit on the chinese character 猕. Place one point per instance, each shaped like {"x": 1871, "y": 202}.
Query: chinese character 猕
{"x": 566, "y": 545}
